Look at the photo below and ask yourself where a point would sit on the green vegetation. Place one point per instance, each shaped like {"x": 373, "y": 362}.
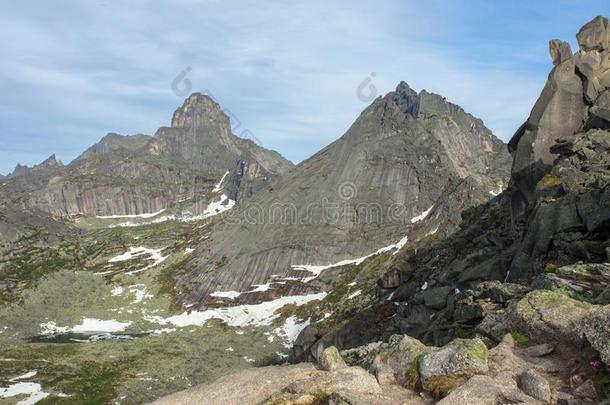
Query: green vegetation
{"x": 550, "y": 180}
{"x": 550, "y": 268}
{"x": 519, "y": 337}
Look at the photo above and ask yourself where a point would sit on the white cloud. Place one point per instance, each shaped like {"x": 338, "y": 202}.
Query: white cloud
{"x": 288, "y": 70}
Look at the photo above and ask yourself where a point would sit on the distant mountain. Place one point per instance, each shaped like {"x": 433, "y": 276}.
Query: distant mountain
{"x": 409, "y": 156}
{"x": 139, "y": 174}
{"x": 48, "y": 166}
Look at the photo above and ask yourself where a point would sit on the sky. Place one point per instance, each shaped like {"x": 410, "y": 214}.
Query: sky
{"x": 288, "y": 73}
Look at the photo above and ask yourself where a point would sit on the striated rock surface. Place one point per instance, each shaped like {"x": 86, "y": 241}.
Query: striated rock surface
{"x": 140, "y": 174}
{"x": 406, "y": 167}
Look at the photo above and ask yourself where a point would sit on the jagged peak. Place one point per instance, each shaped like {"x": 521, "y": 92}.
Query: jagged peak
{"x": 51, "y": 161}
{"x": 196, "y": 108}
{"x": 426, "y": 103}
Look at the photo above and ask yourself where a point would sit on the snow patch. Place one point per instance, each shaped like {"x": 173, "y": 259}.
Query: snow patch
{"x": 214, "y": 208}
{"x": 87, "y": 325}
{"x": 150, "y": 215}
{"x": 290, "y": 330}
{"x": 225, "y": 294}
{"x": 139, "y": 292}
{"x": 219, "y": 185}
{"x": 421, "y": 216}
{"x": 354, "y": 294}
{"x": 238, "y": 316}
{"x": 317, "y": 270}
{"x": 116, "y": 291}
{"x": 155, "y": 255}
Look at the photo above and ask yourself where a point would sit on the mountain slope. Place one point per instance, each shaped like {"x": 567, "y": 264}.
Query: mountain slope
{"x": 407, "y": 156}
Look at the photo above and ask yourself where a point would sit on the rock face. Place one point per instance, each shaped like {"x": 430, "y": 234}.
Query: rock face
{"x": 574, "y": 98}
{"x": 408, "y": 165}
{"x": 130, "y": 175}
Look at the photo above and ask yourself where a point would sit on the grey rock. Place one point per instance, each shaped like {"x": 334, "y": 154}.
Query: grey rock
{"x": 436, "y": 298}
{"x": 594, "y": 35}
{"x": 596, "y": 330}
{"x": 586, "y": 390}
{"x": 560, "y": 51}
{"x": 535, "y": 385}
{"x": 540, "y": 350}
{"x": 330, "y": 359}
{"x": 443, "y": 370}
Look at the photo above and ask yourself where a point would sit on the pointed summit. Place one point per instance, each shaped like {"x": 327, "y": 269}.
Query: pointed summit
{"x": 50, "y": 162}
{"x": 198, "y": 110}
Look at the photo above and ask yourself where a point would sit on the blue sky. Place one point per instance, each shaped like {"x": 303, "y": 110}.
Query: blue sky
{"x": 71, "y": 71}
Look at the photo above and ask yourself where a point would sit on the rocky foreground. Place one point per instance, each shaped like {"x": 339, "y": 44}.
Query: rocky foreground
{"x": 533, "y": 347}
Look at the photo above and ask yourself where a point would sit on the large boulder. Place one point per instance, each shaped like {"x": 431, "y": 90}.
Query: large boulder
{"x": 596, "y": 329}
{"x": 330, "y": 359}
{"x": 443, "y": 370}
{"x": 535, "y": 385}
{"x": 542, "y": 315}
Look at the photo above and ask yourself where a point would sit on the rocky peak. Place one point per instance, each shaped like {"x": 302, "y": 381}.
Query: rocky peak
{"x": 49, "y": 164}
{"x": 199, "y": 122}
{"x": 198, "y": 110}
{"x": 576, "y": 97}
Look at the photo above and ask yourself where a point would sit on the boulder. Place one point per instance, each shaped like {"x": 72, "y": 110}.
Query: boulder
{"x": 436, "y": 298}
{"x": 595, "y": 328}
{"x": 549, "y": 315}
{"x": 330, "y": 359}
{"x": 443, "y": 370}
{"x": 393, "y": 362}
{"x": 485, "y": 390}
{"x": 560, "y": 51}
{"x": 541, "y": 350}
{"x": 535, "y": 385}
{"x": 595, "y": 35}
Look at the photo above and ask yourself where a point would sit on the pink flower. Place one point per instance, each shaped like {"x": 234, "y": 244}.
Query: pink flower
{"x": 595, "y": 363}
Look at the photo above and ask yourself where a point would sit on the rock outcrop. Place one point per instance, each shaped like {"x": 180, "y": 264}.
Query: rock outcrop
{"x": 574, "y": 99}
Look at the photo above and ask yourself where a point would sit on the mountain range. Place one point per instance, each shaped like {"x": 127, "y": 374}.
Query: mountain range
{"x": 417, "y": 258}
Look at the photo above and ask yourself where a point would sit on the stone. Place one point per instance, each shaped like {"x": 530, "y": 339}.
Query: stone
{"x": 595, "y": 328}
{"x": 485, "y": 390}
{"x": 444, "y": 369}
{"x": 560, "y": 51}
{"x": 586, "y": 390}
{"x": 540, "y": 350}
{"x": 390, "y": 279}
{"x": 330, "y": 359}
{"x": 382, "y": 370}
{"x": 548, "y": 315}
{"x": 436, "y": 298}
{"x": 594, "y": 36}
{"x": 535, "y": 385}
